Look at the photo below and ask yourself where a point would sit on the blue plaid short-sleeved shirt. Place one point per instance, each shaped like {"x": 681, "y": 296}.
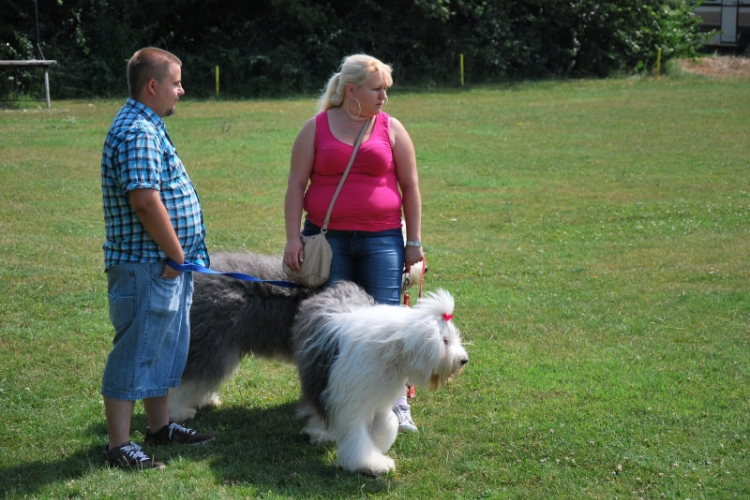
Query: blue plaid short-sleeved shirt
{"x": 138, "y": 154}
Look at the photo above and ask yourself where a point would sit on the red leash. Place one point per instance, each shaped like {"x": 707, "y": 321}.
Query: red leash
{"x": 407, "y": 283}
{"x": 407, "y": 302}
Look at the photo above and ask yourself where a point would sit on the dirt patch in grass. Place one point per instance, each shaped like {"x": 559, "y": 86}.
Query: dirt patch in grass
{"x": 717, "y": 66}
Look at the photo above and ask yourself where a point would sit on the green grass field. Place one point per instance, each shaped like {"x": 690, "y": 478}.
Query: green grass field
{"x": 595, "y": 235}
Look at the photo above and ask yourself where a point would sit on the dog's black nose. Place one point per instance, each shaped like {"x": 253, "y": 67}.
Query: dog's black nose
{"x": 464, "y": 361}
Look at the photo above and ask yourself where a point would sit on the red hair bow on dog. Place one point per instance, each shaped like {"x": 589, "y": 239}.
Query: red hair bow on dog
{"x": 447, "y": 317}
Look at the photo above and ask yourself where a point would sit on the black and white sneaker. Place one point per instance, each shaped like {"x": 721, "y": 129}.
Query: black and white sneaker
{"x": 175, "y": 433}
{"x": 129, "y": 457}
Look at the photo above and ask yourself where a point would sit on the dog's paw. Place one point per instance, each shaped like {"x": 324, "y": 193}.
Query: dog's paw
{"x": 378, "y": 465}
{"x": 214, "y": 400}
{"x": 316, "y": 428}
{"x": 182, "y": 414}
{"x": 318, "y": 435}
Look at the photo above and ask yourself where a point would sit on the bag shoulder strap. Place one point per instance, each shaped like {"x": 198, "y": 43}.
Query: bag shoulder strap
{"x": 357, "y": 143}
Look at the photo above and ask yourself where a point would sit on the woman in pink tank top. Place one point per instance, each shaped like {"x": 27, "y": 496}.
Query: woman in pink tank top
{"x": 364, "y": 230}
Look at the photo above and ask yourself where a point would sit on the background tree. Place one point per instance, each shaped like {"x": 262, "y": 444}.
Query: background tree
{"x": 278, "y": 47}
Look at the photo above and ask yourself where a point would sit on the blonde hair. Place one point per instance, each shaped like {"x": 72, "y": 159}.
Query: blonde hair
{"x": 355, "y": 69}
{"x": 148, "y": 63}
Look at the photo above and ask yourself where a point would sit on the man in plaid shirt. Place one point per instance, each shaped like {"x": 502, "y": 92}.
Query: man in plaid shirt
{"x": 151, "y": 213}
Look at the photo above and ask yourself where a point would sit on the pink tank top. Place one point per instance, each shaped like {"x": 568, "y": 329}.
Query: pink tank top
{"x": 370, "y": 199}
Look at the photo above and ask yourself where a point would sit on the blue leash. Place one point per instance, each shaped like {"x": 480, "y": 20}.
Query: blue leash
{"x": 189, "y": 266}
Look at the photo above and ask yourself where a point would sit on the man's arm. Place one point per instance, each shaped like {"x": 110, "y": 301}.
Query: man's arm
{"x": 155, "y": 219}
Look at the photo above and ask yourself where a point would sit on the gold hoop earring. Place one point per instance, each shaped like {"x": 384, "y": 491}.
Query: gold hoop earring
{"x": 359, "y": 111}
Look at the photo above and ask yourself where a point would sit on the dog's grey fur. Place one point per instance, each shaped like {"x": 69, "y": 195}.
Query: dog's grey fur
{"x": 231, "y": 319}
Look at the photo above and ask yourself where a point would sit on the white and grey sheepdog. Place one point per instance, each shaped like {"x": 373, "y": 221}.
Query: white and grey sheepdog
{"x": 354, "y": 356}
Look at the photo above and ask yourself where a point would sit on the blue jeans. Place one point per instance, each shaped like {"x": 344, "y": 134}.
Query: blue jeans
{"x": 373, "y": 260}
{"x": 150, "y": 315}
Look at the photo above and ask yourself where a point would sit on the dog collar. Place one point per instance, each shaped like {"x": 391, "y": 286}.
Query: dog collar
{"x": 447, "y": 317}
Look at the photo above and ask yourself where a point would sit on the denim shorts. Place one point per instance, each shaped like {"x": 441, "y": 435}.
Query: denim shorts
{"x": 373, "y": 260}
{"x": 150, "y": 315}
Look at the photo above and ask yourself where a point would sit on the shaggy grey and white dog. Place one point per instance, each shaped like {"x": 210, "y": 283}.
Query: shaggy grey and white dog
{"x": 231, "y": 319}
{"x": 354, "y": 358}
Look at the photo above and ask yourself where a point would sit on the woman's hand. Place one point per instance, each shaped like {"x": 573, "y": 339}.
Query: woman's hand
{"x": 294, "y": 254}
{"x": 412, "y": 255}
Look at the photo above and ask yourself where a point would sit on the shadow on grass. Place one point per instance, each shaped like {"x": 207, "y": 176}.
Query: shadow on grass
{"x": 267, "y": 449}
{"x": 258, "y": 448}
{"x": 25, "y": 479}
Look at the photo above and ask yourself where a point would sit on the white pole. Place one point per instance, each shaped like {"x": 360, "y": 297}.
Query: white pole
{"x": 46, "y": 86}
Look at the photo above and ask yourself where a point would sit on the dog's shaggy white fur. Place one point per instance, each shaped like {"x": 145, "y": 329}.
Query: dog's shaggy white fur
{"x": 354, "y": 358}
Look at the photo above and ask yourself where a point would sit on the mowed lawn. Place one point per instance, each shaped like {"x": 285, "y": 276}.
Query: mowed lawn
{"x": 595, "y": 235}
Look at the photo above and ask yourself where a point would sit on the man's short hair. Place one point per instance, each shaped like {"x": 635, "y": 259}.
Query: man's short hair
{"x": 148, "y": 63}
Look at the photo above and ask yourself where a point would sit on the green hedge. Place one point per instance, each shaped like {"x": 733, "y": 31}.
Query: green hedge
{"x": 282, "y": 47}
